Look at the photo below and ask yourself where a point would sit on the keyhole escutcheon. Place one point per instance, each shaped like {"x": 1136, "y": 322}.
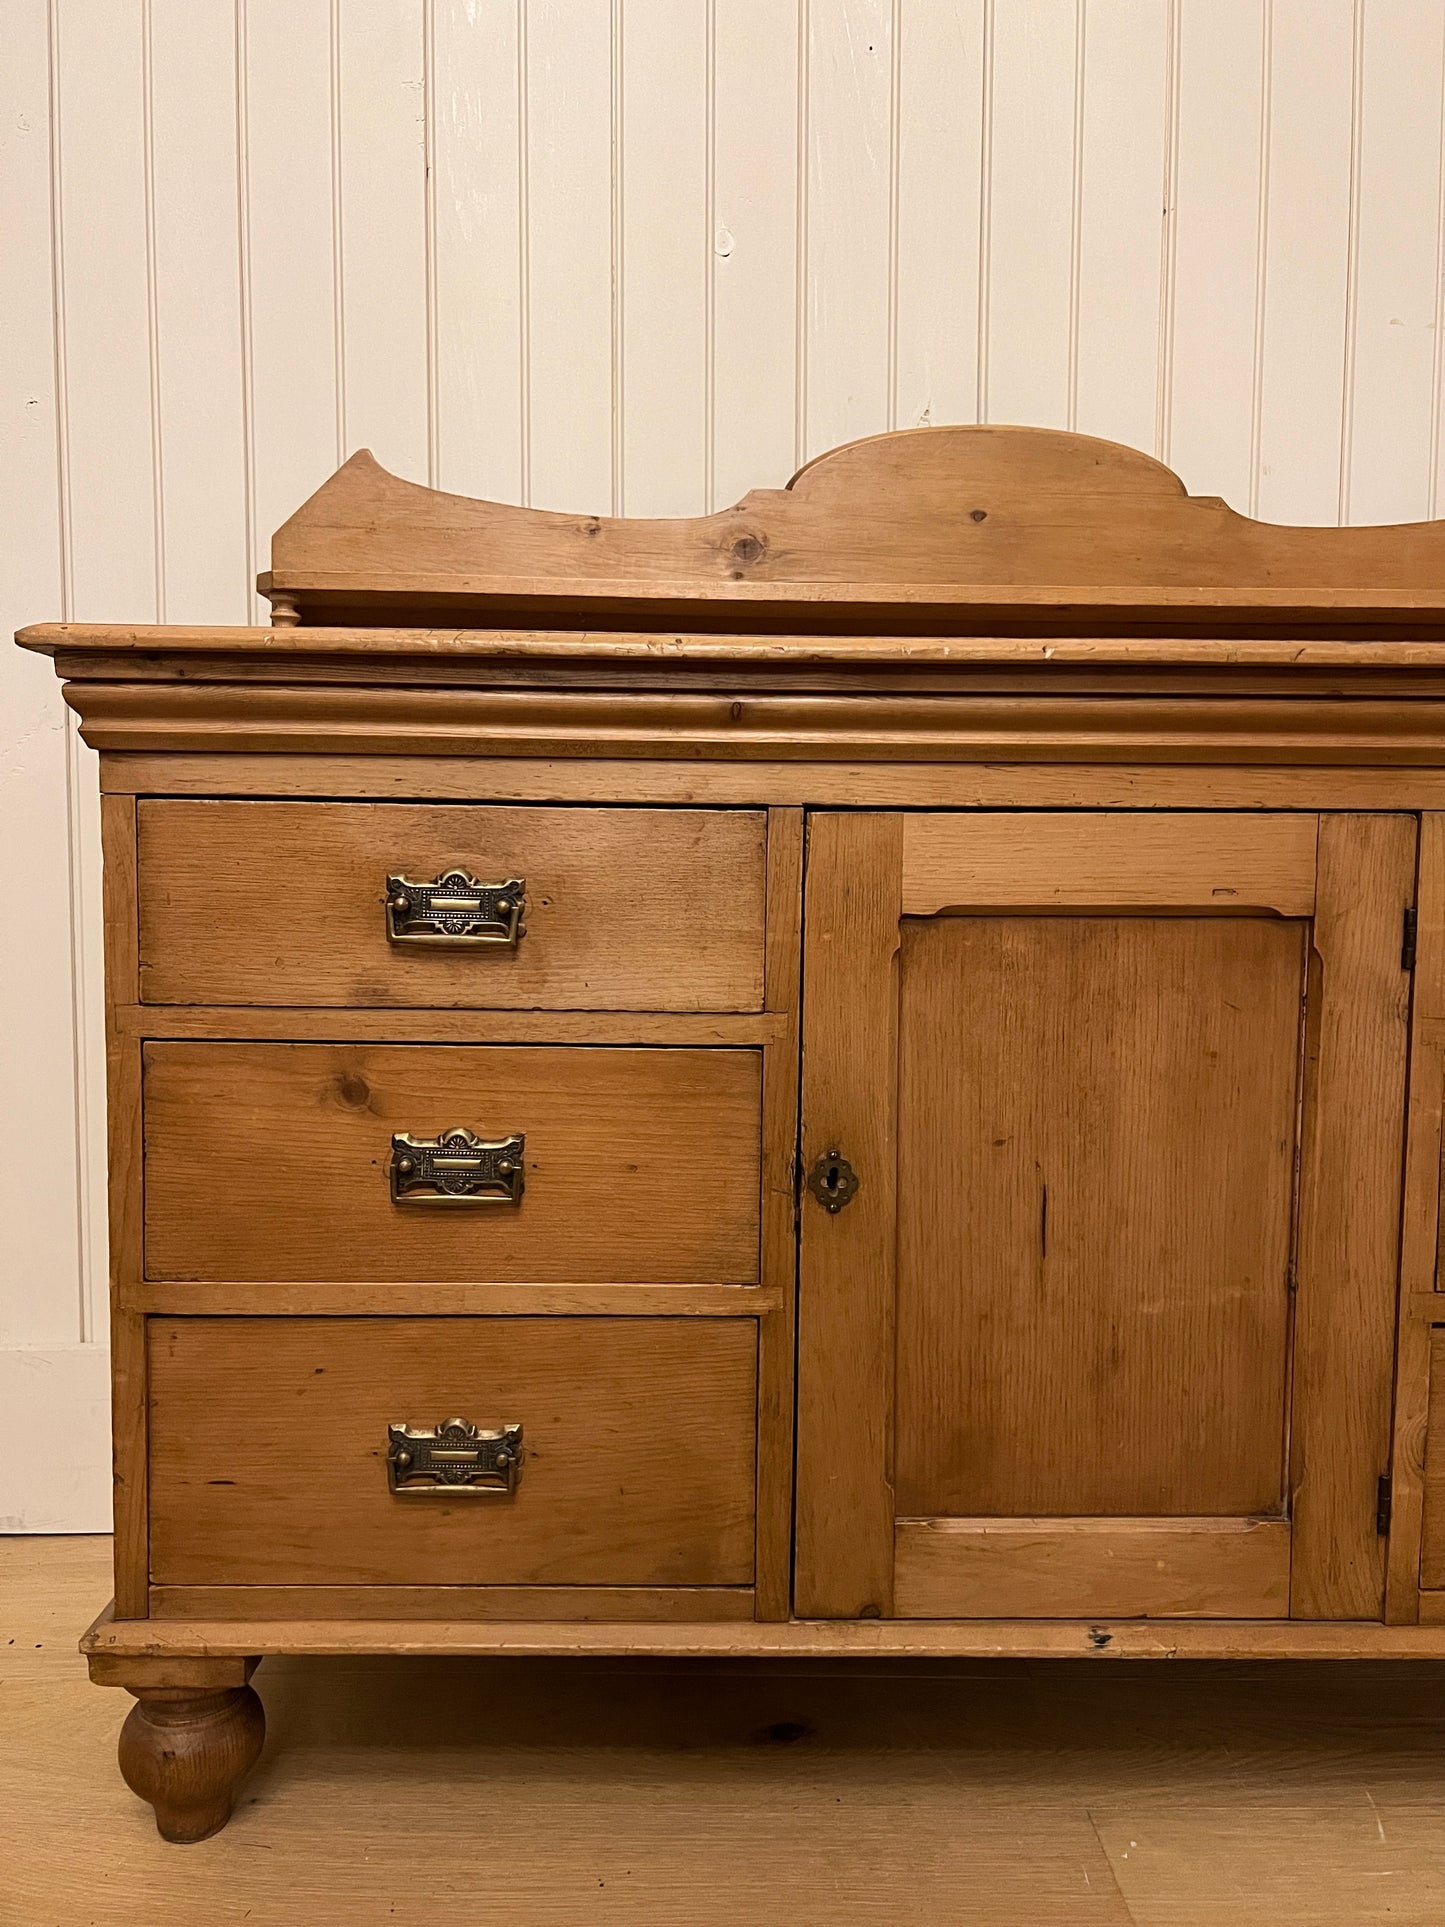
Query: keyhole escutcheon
{"x": 833, "y": 1181}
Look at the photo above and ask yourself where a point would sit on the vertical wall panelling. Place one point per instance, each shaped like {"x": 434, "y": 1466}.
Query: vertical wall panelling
{"x": 381, "y": 184}
{"x": 1307, "y": 259}
{"x": 753, "y": 236}
{"x": 573, "y": 154}
{"x": 850, "y": 75}
{"x": 1395, "y": 297}
{"x": 40, "y": 1273}
{"x": 52, "y": 1272}
{"x": 939, "y": 147}
{"x": 477, "y": 84}
{"x": 112, "y": 463}
{"x": 1216, "y": 286}
{"x": 112, "y": 452}
{"x": 291, "y": 207}
{"x": 1032, "y": 213}
{"x": 1120, "y": 180}
{"x": 662, "y": 264}
{"x": 195, "y": 299}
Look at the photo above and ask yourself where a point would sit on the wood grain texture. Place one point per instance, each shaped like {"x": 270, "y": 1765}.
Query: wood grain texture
{"x": 1095, "y": 654}
{"x": 1205, "y": 862}
{"x": 283, "y": 903}
{"x": 1432, "y": 1533}
{"x": 295, "y": 1024}
{"x": 1092, "y": 1638}
{"x": 779, "y": 1244}
{"x": 275, "y": 718}
{"x": 849, "y": 785}
{"x": 170, "y": 1669}
{"x": 843, "y": 1546}
{"x": 1059, "y": 1568}
{"x": 1349, "y": 1224}
{"x": 641, "y": 1165}
{"x": 945, "y": 516}
{"x": 353, "y": 1297}
{"x": 120, "y": 908}
{"x": 1419, "y": 1231}
{"x": 268, "y": 1444}
{"x": 187, "y": 1752}
{"x": 712, "y": 1605}
{"x": 1408, "y": 1448}
{"x": 1098, "y": 1321}
{"x": 126, "y": 1239}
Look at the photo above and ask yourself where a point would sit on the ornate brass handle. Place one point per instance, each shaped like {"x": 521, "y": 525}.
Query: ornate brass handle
{"x": 456, "y": 1460}
{"x": 457, "y": 1168}
{"x": 456, "y": 911}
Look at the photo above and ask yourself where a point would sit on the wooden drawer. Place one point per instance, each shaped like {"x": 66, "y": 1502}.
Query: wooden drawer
{"x": 269, "y": 1445}
{"x": 272, "y": 1161}
{"x": 285, "y": 903}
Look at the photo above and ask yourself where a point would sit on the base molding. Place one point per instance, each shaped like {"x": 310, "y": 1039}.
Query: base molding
{"x": 113, "y": 1645}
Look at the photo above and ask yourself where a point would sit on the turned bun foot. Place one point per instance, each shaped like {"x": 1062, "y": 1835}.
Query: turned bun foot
{"x": 187, "y": 1752}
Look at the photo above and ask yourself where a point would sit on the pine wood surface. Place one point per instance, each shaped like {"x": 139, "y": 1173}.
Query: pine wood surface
{"x": 733, "y": 1795}
{"x": 283, "y": 903}
{"x": 623, "y": 1180}
{"x": 945, "y": 515}
{"x": 602, "y": 1605}
{"x": 1204, "y": 861}
{"x": 1351, "y": 1175}
{"x": 1419, "y": 1303}
{"x": 1085, "y": 1330}
{"x": 125, "y": 1202}
{"x": 1042, "y": 726}
{"x": 113, "y": 1643}
{"x": 1432, "y": 1535}
{"x": 1338, "y": 660}
{"x": 843, "y": 1557}
{"x": 1399, "y": 663}
{"x": 851, "y": 785}
{"x": 296, "y": 1024}
{"x": 268, "y": 1446}
{"x": 997, "y": 1567}
{"x": 778, "y": 1258}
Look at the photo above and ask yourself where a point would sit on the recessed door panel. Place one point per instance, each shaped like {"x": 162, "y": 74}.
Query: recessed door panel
{"x": 1096, "y": 1124}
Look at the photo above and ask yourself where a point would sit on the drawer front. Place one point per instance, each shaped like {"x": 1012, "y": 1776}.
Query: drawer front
{"x": 269, "y": 1445}
{"x": 287, "y": 903}
{"x": 275, "y": 1161}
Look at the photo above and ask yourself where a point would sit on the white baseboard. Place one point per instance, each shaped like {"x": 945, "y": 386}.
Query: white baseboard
{"x": 55, "y": 1439}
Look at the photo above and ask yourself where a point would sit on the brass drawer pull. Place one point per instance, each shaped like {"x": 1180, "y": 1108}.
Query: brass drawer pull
{"x": 457, "y": 1168}
{"x": 456, "y": 911}
{"x": 456, "y": 1460}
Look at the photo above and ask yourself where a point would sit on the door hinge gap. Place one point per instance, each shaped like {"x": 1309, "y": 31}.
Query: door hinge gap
{"x": 1407, "y": 938}
{"x": 1384, "y": 1497}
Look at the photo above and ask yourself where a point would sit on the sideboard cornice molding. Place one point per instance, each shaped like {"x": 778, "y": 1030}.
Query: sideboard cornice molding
{"x": 277, "y": 718}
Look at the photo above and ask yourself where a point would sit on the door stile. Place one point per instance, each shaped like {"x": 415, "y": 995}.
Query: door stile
{"x": 1419, "y": 1232}
{"x": 845, "y": 1506}
{"x": 1350, "y": 1196}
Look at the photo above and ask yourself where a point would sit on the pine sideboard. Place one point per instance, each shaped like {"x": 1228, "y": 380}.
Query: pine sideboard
{"x": 860, "y": 1075}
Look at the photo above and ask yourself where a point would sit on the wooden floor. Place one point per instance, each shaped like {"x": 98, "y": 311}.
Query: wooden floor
{"x": 544, "y": 1793}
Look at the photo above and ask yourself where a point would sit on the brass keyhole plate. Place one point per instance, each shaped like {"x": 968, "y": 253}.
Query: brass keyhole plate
{"x": 833, "y": 1181}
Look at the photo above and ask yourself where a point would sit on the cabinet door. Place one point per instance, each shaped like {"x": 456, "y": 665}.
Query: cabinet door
{"x": 1106, "y": 1327}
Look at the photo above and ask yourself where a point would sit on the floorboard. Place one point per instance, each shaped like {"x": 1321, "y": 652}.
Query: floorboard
{"x": 533, "y": 1793}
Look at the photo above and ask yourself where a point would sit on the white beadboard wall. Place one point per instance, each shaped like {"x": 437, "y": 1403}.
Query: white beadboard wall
{"x": 630, "y": 256}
